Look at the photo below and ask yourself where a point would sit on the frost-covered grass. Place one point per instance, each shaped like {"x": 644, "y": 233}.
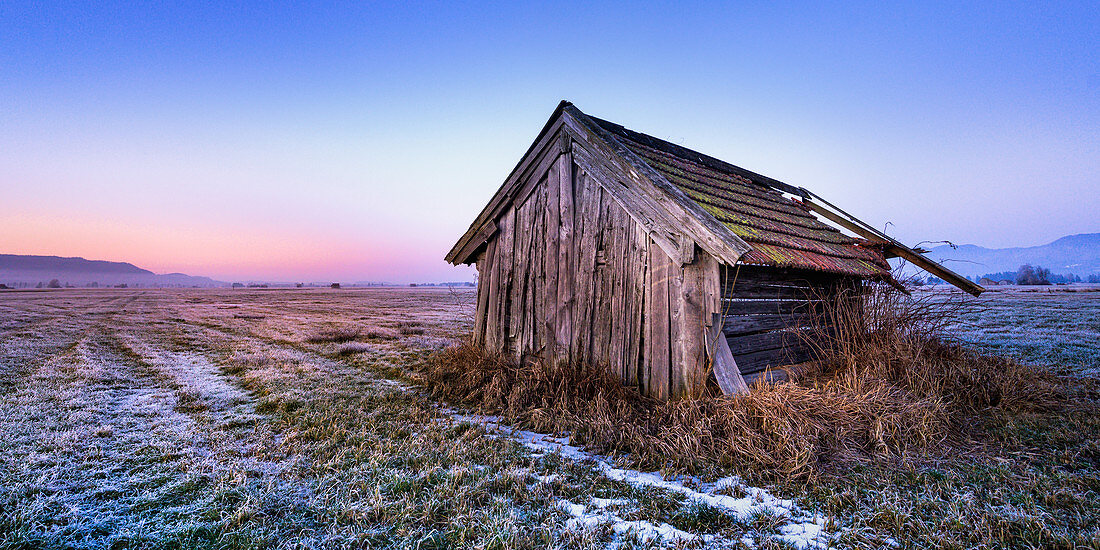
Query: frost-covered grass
{"x": 166, "y": 419}
{"x": 197, "y": 418}
{"x": 1055, "y": 325}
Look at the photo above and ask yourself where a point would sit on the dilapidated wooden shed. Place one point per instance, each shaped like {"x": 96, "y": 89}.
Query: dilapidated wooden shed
{"x": 612, "y": 247}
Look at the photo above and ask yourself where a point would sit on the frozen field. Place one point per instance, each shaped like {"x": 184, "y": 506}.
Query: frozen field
{"x": 274, "y": 418}
{"x": 1041, "y": 325}
{"x": 284, "y": 418}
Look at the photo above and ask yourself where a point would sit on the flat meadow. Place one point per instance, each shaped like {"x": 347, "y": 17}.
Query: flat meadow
{"x": 286, "y": 418}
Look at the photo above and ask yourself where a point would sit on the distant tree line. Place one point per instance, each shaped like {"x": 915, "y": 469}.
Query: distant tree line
{"x": 1029, "y": 274}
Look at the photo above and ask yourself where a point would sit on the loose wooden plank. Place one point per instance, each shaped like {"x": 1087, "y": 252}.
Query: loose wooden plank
{"x": 724, "y": 365}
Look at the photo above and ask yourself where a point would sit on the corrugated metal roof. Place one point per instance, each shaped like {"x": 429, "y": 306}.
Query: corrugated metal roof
{"x": 780, "y": 230}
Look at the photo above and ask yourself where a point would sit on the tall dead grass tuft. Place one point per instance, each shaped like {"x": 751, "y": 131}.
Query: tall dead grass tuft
{"x": 887, "y": 386}
{"x": 877, "y": 336}
{"x": 338, "y": 335}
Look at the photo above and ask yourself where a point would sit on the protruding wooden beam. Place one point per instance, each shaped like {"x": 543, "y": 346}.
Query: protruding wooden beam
{"x": 863, "y": 230}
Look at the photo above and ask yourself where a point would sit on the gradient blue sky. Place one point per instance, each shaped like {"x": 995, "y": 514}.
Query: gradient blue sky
{"x": 356, "y": 141}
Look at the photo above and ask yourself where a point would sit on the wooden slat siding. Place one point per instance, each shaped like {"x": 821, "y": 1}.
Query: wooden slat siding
{"x": 564, "y": 315}
{"x": 679, "y": 332}
{"x": 629, "y": 277}
{"x": 550, "y": 264}
{"x": 750, "y": 290}
{"x": 738, "y": 325}
{"x": 545, "y": 144}
{"x": 770, "y": 307}
{"x": 757, "y": 361}
{"x": 771, "y": 376}
{"x": 740, "y": 345}
{"x": 659, "y": 316}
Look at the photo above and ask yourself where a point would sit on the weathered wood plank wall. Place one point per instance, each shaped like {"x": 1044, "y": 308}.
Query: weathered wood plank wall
{"x": 765, "y": 310}
{"x": 569, "y": 275}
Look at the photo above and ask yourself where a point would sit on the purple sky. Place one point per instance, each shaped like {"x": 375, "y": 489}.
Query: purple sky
{"x": 357, "y": 142}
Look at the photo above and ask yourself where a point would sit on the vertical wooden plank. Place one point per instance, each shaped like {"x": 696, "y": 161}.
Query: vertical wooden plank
{"x": 533, "y": 325}
{"x": 660, "y": 353}
{"x": 492, "y": 328}
{"x": 588, "y": 216}
{"x": 601, "y": 314}
{"x": 520, "y": 279}
{"x": 694, "y": 320}
{"x": 616, "y": 257}
{"x": 566, "y": 267}
{"x": 678, "y": 384}
{"x": 636, "y": 288}
{"x": 484, "y": 265}
{"x": 645, "y": 374}
{"x": 506, "y": 260}
{"x": 550, "y": 264}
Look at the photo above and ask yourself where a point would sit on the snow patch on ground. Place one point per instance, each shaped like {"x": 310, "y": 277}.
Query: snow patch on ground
{"x": 596, "y": 515}
{"x": 802, "y": 529}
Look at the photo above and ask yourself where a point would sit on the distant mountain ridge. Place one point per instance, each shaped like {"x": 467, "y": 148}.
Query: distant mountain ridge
{"x": 1076, "y": 254}
{"x": 16, "y": 269}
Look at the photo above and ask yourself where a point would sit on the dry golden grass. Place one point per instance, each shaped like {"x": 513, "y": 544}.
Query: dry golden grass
{"x": 886, "y": 387}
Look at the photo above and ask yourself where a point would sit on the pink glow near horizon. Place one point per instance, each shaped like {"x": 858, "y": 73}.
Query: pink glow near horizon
{"x": 222, "y": 252}
{"x": 357, "y": 141}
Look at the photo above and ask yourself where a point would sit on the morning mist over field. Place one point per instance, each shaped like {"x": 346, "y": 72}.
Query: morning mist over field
{"x": 357, "y": 142}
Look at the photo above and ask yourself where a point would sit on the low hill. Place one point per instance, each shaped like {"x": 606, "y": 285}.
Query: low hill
{"x": 1076, "y": 254}
{"x": 19, "y": 270}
